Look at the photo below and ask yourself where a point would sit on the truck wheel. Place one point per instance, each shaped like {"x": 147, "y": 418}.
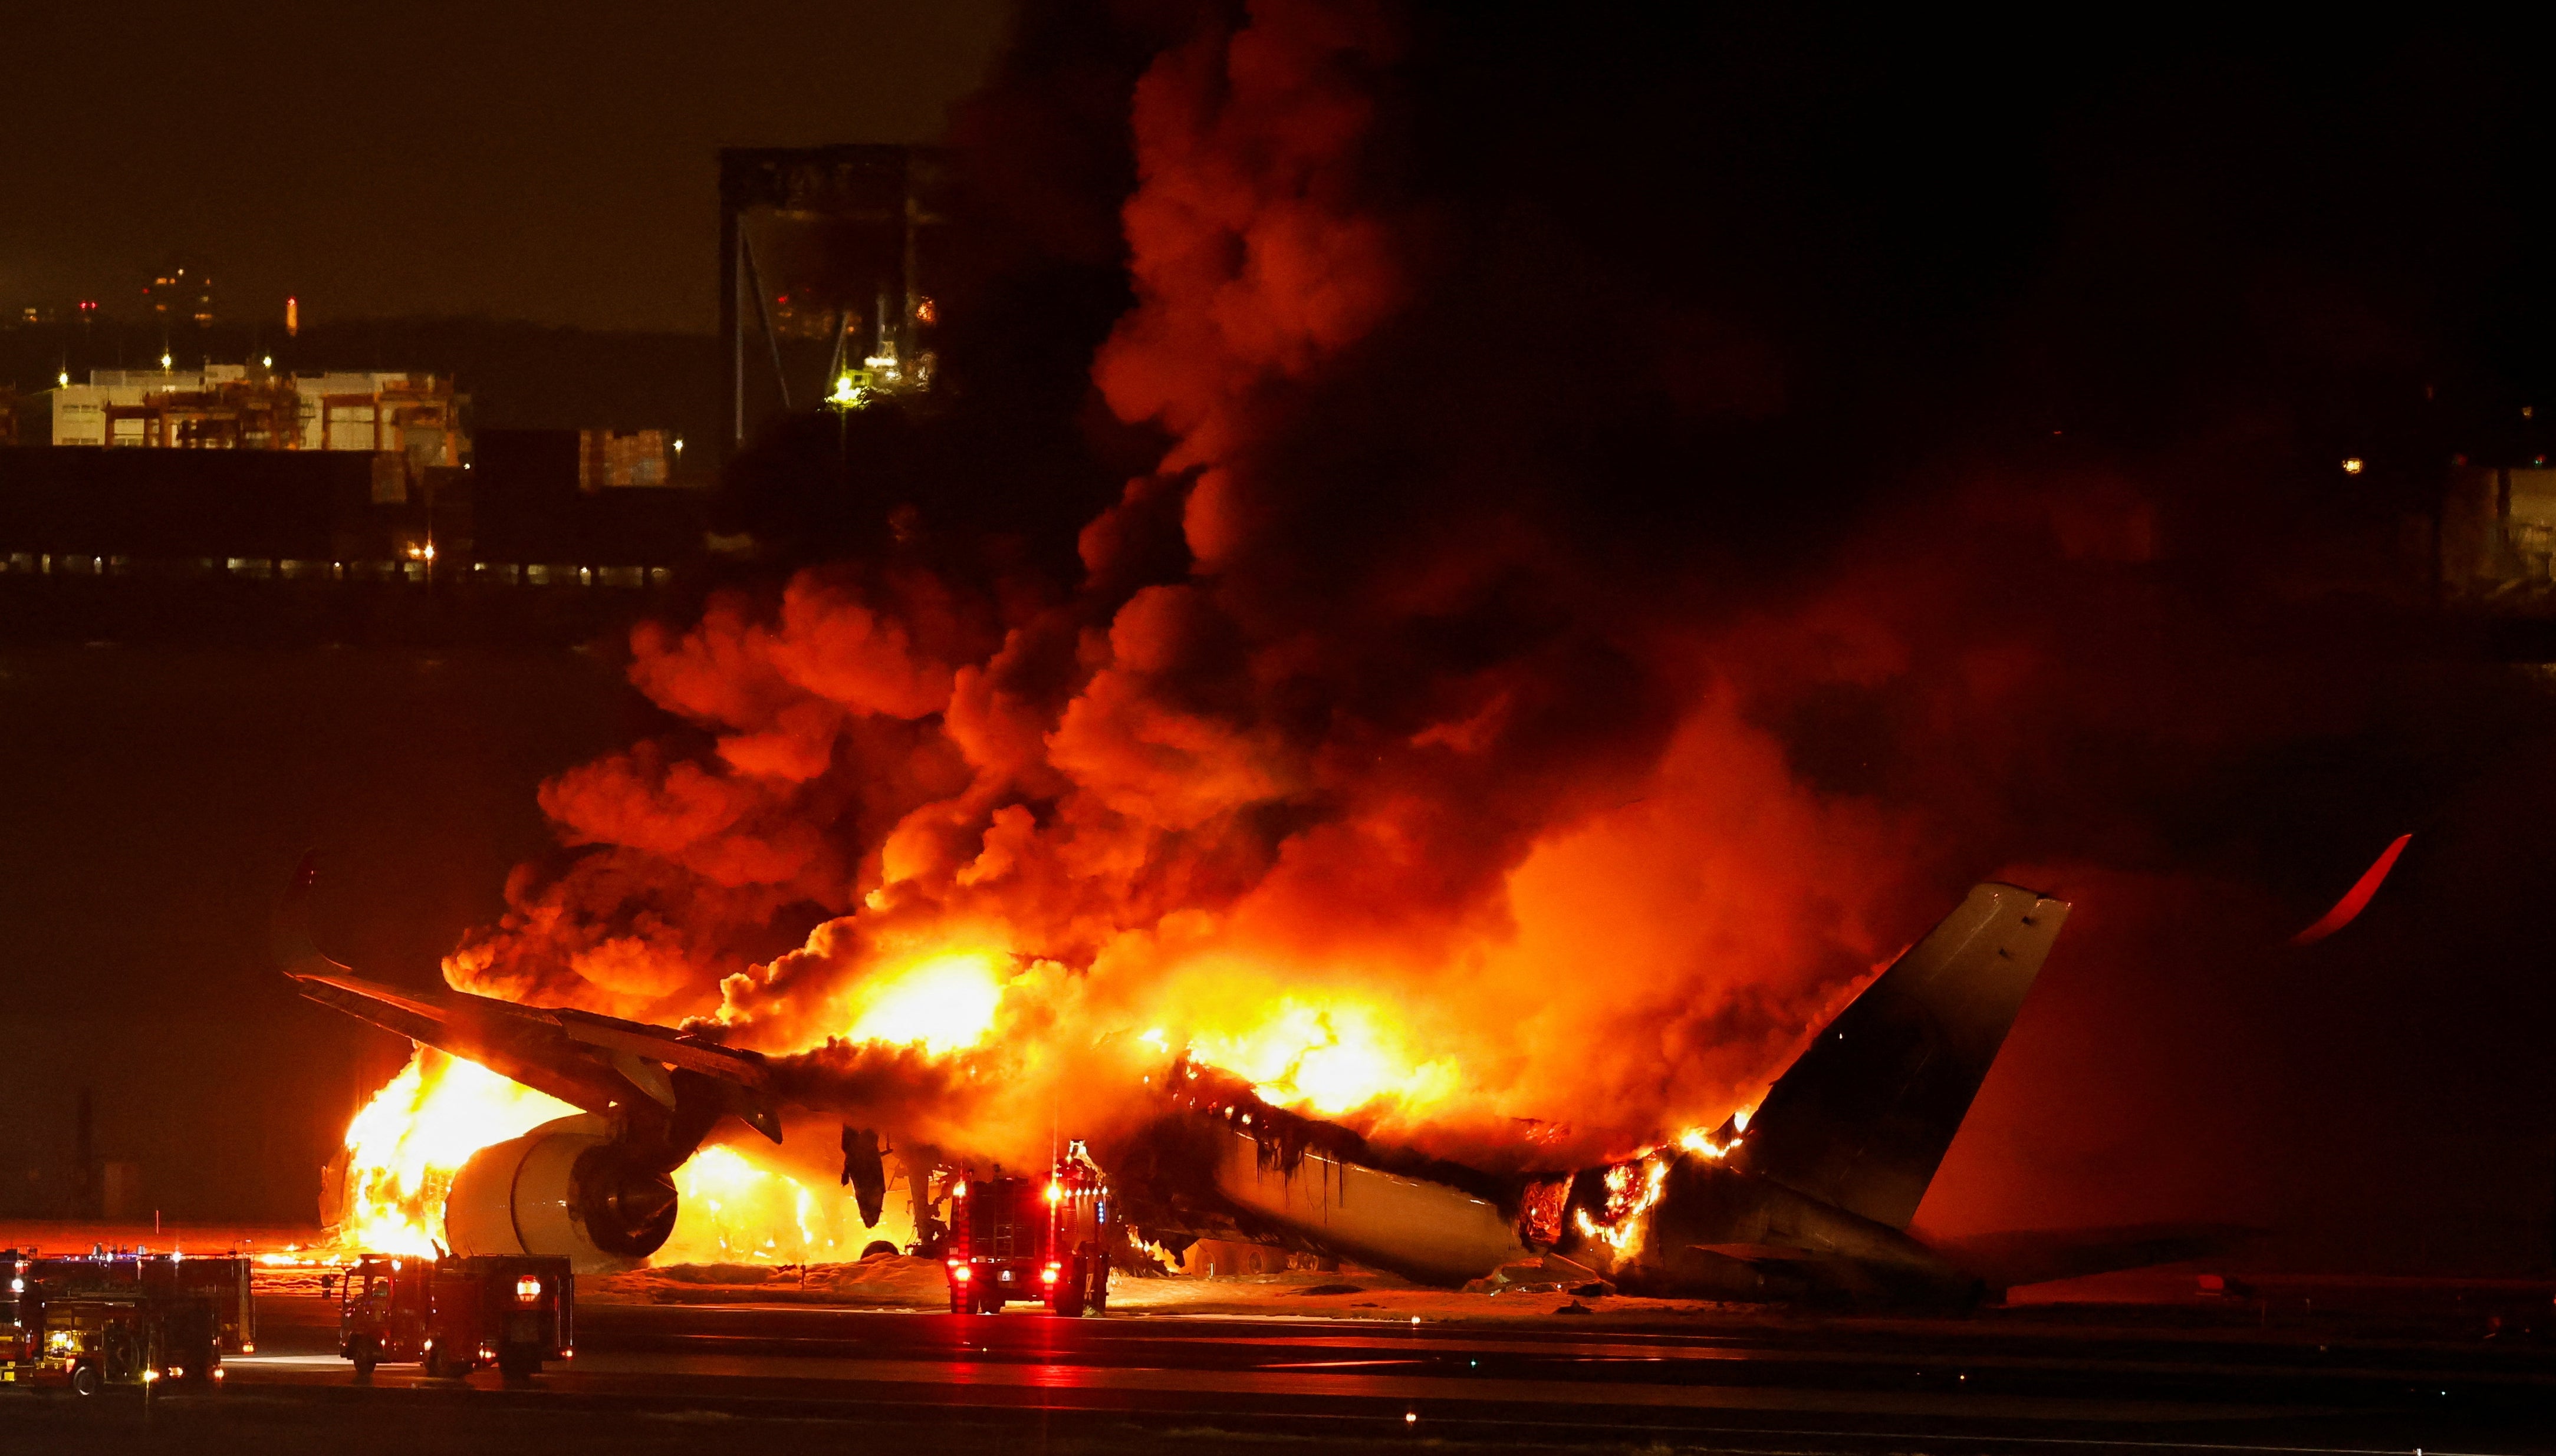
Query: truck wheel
{"x": 86, "y": 1379}
{"x": 367, "y": 1353}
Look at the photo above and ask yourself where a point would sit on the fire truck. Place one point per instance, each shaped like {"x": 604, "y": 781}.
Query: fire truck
{"x": 123, "y": 1319}
{"x": 1023, "y": 1238}
{"x": 16, "y": 1363}
{"x": 454, "y": 1316}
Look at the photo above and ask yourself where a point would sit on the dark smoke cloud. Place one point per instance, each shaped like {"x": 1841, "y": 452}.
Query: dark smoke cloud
{"x": 1638, "y": 510}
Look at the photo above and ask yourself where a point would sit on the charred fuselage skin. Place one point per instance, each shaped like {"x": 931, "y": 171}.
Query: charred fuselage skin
{"x": 1219, "y": 1163}
{"x": 1716, "y": 1231}
{"x": 1811, "y": 1200}
{"x": 1233, "y": 1167}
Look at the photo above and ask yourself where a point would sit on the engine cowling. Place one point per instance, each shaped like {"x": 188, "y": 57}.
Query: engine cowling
{"x": 565, "y": 1189}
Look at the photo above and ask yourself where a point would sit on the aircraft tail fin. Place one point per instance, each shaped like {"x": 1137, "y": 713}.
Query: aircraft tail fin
{"x": 1861, "y": 1119}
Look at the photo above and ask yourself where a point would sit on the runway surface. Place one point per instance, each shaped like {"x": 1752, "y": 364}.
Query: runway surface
{"x": 650, "y": 1377}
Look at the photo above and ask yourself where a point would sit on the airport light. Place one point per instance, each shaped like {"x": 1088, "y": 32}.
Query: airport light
{"x": 2354, "y": 465}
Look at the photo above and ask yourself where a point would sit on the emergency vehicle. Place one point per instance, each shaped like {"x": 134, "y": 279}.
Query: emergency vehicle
{"x": 454, "y": 1316}
{"x": 127, "y": 1319}
{"x": 1022, "y": 1238}
{"x": 16, "y": 1363}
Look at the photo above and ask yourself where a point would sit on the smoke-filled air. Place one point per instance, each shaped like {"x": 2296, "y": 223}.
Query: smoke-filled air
{"x": 1505, "y": 753}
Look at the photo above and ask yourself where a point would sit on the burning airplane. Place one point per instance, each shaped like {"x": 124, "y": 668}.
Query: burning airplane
{"x": 1811, "y": 1195}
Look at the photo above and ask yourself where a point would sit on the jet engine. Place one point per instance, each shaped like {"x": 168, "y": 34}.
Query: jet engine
{"x": 565, "y": 1189}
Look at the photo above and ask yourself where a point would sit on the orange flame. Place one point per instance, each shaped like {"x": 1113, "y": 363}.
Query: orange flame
{"x": 405, "y": 1148}
{"x": 944, "y": 1002}
{"x": 1328, "y": 1059}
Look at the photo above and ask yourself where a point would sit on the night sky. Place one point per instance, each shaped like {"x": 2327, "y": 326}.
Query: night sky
{"x": 1758, "y": 324}
{"x": 544, "y": 162}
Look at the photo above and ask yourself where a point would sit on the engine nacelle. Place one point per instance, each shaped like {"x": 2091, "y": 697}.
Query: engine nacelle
{"x": 563, "y": 1188}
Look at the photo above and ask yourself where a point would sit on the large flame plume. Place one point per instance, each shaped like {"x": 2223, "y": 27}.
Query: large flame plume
{"x": 1238, "y": 807}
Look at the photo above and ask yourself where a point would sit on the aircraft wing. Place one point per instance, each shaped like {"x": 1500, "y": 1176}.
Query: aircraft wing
{"x": 594, "y": 1062}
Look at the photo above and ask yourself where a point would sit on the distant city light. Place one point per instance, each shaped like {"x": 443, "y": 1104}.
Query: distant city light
{"x": 266, "y": 362}
{"x": 164, "y": 361}
{"x": 2354, "y": 465}
{"x": 64, "y": 379}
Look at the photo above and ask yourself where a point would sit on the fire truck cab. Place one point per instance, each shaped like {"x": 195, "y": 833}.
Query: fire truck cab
{"x": 1021, "y": 1238}
{"x": 454, "y": 1316}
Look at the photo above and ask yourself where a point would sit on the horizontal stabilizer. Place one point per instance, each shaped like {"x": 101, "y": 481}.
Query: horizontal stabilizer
{"x": 2035, "y": 1256}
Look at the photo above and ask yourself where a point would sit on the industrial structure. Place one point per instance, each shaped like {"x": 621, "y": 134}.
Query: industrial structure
{"x": 2498, "y": 533}
{"x": 827, "y": 253}
{"x": 418, "y": 418}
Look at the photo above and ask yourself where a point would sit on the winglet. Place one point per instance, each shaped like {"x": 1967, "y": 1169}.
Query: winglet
{"x": 289, "y": 933}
